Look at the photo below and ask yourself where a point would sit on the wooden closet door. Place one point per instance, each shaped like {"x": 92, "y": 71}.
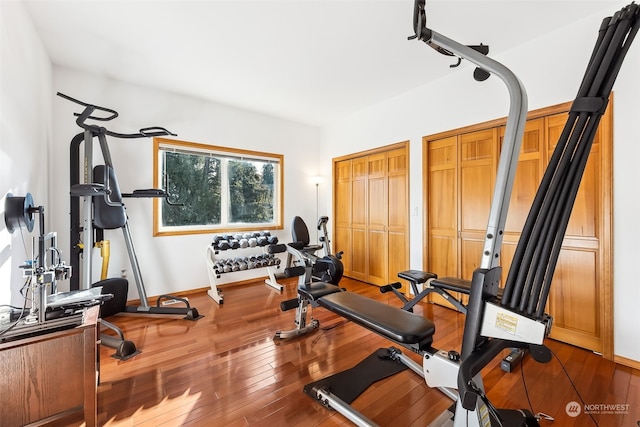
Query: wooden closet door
{"x": 398, "y": 214}
{"x": 581, "y": 298}
{"x": 343, "y": 197}
{"x": 442, "y": 207}
{"x": 476, "y": 175}
{"x": 531, "y": 165}
{"x": 359, "y": 188}
{"x": 378, "y": 207}
{"x": 373, "y": 221}
{"x": 574, "y": 300}
{"x": 442, "y": 210}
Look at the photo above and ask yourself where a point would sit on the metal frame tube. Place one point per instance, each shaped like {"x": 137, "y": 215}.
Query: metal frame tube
{"x": 510, "y": 148}
{"x": 344, "y": 408}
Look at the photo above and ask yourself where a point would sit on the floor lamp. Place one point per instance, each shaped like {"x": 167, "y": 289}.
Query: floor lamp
{"x": 317, "y": 180}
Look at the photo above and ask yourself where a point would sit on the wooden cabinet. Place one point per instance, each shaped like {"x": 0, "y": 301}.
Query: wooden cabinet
{"x": 372, "y": 214}
{"x": 459, "y": 175}
{"x": 46, "y": 378}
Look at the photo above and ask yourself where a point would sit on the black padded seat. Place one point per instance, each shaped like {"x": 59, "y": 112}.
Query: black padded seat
{"x": 452, "y": 284}
{"x": 416, "y": 276}
{"x": 391, "y": 322}
{"x": 315, "y": 290}
{"x": 456, "y": 285}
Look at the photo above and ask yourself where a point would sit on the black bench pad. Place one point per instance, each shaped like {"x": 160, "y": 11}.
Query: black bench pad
{"x": 416, "y": 276}
{"x": 452, "y": 284}
{"x": 391, "y": 322}
{"x": 315, "y": 290}
{"x": 456, "y": 285}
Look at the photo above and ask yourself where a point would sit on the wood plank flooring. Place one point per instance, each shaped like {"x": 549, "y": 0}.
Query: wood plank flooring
{"x": 226, "y": 370}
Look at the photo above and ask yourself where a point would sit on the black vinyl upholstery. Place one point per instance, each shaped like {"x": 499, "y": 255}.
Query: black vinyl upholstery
{"x": 108, "y": 210}
{"x": 300, "y": 235}
{"x": 397, "y": 325}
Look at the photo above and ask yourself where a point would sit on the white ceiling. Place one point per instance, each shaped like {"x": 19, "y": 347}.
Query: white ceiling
{"x": 310, "y": 61}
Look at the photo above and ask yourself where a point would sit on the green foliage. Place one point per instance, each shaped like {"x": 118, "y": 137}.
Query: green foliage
{"x": 251, "y": 196}
{"x": 194, "y": 185}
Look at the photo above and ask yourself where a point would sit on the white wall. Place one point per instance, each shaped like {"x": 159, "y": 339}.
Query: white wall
{"x": 551, "y": 69}
{"x": 626, "y": 207}
{"x": 172, "y": 263}
{"x": 25, "y": 133}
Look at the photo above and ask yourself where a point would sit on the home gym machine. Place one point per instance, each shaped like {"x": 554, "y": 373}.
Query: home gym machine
{"x": 517, "y": 319}
{"x": 103, "y": 209}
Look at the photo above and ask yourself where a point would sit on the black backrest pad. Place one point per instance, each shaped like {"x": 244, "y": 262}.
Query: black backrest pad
{"x": 107, "y": 216}
{"x": 299, "y": 231}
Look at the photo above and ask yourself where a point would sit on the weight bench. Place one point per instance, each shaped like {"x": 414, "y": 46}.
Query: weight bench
{"x": 517, "y": 318}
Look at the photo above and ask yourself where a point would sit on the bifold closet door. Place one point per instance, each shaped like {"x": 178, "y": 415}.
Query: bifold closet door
{"x": 343, "y": 217}
{"x": 397, "y": 214}
{"x": 378, "y": 207}
{"x": 441, "y": 208}
{"x": 477, "y": 154}
{"x": 372, "y": 213}
{"x": 359, "y": 198}
{"x": 459, "y": 173}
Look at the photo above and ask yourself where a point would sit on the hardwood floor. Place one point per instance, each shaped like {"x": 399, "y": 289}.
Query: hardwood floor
{"x": 226, "y": 370}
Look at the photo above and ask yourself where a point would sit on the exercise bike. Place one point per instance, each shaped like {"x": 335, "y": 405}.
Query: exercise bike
{"x": 327, "y": 268}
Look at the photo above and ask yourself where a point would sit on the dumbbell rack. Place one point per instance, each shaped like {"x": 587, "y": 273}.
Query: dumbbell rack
{"x": 255, "y": 245}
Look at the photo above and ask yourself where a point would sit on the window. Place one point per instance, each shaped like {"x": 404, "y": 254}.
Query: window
{"x": 214, "y": 189}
